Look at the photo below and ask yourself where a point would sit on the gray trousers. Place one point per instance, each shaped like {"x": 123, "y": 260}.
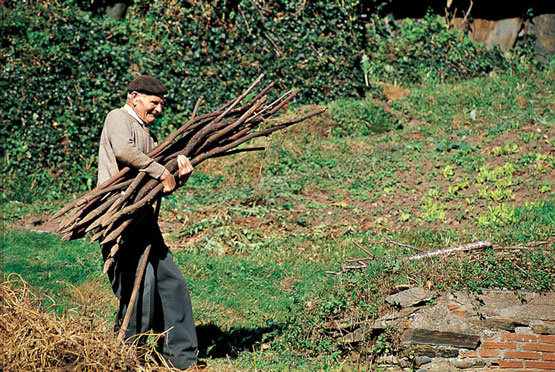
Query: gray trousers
{"x": 163, "y": 302}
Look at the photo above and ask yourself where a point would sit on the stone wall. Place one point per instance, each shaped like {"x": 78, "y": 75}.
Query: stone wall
{"x": 493, "y": 22}
{"x": 496, "y": 331}
{"x": 505, "y": 32}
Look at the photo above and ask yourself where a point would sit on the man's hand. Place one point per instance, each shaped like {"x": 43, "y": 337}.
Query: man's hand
{"x": 168, "y": 180}
{"x": 185, "y": 168}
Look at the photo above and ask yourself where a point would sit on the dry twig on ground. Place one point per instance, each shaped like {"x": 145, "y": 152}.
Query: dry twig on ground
{"x": 476, "y": 246}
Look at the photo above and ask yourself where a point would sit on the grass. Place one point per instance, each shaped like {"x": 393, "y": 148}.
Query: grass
{"x": 254, "y": 235}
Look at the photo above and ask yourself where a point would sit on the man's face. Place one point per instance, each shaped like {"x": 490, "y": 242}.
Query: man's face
{"x": 147, "y": 107}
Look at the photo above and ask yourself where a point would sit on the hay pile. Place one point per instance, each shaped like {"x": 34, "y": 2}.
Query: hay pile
{"x": 36, "y": 337}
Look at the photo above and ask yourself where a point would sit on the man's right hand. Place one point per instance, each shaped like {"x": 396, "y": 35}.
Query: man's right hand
{"x": 168, "y": 180}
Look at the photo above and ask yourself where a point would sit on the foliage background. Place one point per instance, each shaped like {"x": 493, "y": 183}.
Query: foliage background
{"x": 64, "y": 67}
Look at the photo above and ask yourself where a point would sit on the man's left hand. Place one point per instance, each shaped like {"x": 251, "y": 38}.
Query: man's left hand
{"x": 185, "y": 168}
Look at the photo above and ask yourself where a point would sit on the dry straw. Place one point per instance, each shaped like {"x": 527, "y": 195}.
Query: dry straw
{"x": 36, "y": 336}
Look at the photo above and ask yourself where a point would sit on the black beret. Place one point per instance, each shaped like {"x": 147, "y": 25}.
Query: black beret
{"x": 147, "y": 84}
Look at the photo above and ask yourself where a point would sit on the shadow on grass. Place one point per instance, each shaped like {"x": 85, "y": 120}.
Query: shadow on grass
{"x": 216, "y": 343}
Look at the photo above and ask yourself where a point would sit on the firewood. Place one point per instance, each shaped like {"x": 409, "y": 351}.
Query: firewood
{"x": 113, "y": 208}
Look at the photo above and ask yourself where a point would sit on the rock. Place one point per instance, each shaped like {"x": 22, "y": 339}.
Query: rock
{"x": 340, "y": 325}
{"x": 480, "y": 29}
{"x": 429, "y": 337}
{"x": 404, "y": 363}
{"x": 440, "y": 366}
{"x": 440, "y": 318}
{"x": 116, "y": 10}
{"x": 394, "y": 369}
{"x": 469, "y": 363}
{"x": 420, "y": 360}
{"x": 542, "y": 328}
{"x": 507, "y": 324}
{"x": 388, "y": 359}
{"x": 354, "y": 337}
{"x": 397, "y": 314}
{"x": 523, "y": 330}
{"x": 526, "y": 305}
{"x": 543, "y": 26}
{"x": 502, "y": 33}
{"x": 429, "y": 351}
{"x": 411, "y": 297}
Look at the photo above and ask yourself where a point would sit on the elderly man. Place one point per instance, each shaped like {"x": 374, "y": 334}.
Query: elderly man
{"x": 163, "y": 304}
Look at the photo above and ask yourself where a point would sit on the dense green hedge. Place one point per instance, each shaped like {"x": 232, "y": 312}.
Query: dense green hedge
{"x": 64, "y": 67}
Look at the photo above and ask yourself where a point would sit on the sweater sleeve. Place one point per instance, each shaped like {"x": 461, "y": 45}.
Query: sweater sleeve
{"x": 120, "y": 135}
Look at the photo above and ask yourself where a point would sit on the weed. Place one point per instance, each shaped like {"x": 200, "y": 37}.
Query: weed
{"x": 355, "y": 117}
{"x": 505, "y": 150}
{"x": 432, "y": 211}
{"x": 498, "y": 215}
{"x": 448, "y": 172}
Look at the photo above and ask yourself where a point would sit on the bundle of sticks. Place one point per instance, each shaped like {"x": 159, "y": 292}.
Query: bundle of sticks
{"x": 112, "y": 209}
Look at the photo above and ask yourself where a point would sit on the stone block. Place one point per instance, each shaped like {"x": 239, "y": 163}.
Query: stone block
{"x": 504, "y": 33}
{"x": 354, "y": 337}
{"x": 430, "y": 337}
{"x": 429, "y": 351}
{"x": 469, "y": 363}
{"x": 411, "y": 297}
{"x": 439, "y": 318}
{"x": 506, "y": 324}
{"x": 543, "y": 26}
{"x": 525, "y": 305}
{"x": 542, "y": 328}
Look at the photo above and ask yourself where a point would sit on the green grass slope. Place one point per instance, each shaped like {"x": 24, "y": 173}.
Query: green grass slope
{"x": 430, "y": 167}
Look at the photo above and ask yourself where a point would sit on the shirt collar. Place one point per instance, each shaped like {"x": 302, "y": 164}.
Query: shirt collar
{"x": 133, "y": 113}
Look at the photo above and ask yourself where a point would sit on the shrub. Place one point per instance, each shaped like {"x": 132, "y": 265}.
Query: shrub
{"x": 428, "y": 50}
{"x": 360, "y": 117}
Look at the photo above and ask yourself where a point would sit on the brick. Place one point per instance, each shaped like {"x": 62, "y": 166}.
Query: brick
{"x": 550, "y": 339}
{"x": 453, "y": 307}
{"x": 518, "y": 337}
{"x": 548, "y": 356}
{"x": 521, "y": 355}
{"x": 470, "y": 354}
{"x": 460, "y": 313}
{"x": 508, "y": 363}
{"x": 499, "y": 370}
{"x": 498, "y": 345}
{"x": 538, "y": 347}
{"x": 489, "y": 353}
{"x": 540, "y": 365}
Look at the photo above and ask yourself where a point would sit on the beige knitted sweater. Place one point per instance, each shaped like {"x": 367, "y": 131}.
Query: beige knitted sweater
{"x": 125, "y": 142}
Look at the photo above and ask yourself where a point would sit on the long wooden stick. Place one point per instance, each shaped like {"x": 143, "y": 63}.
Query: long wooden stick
{"x": 446, "y": 251}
